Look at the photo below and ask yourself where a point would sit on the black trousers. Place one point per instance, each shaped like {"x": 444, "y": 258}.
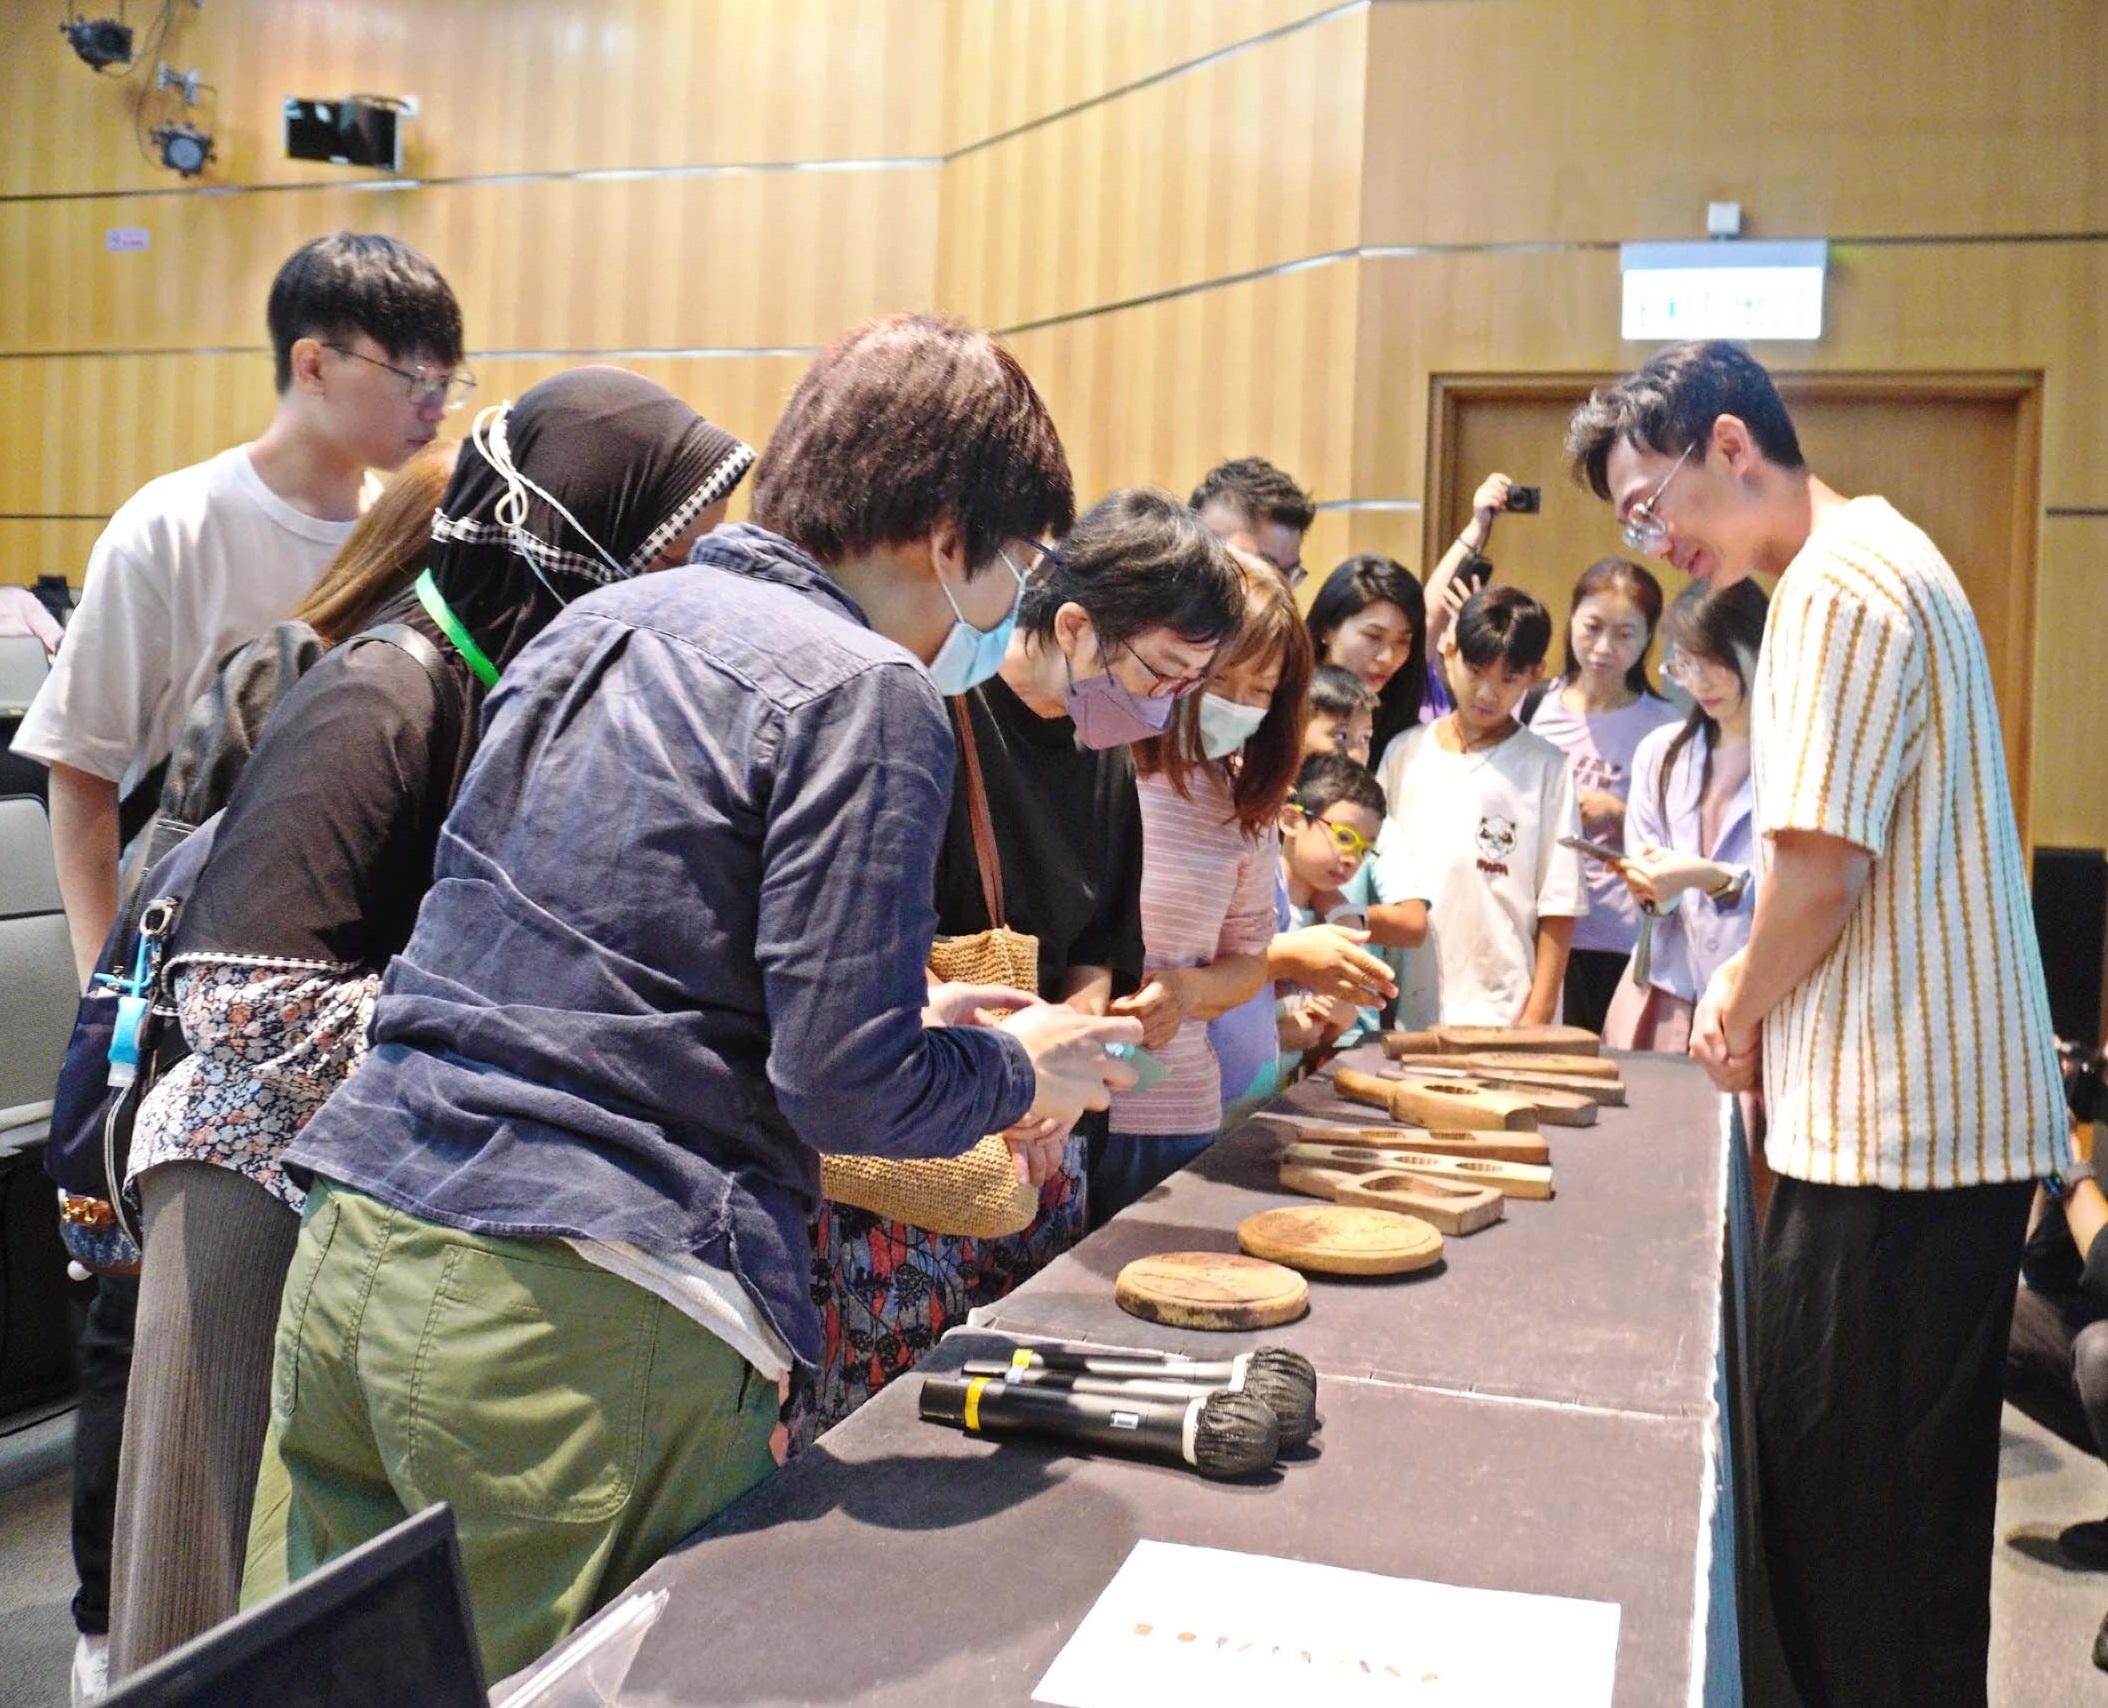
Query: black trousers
{"x": 2057, "y": 1367}
{"x": 1592, "y": 977}
{"x": 1882, "y": 1321}
{"x": 98, "y": 1440}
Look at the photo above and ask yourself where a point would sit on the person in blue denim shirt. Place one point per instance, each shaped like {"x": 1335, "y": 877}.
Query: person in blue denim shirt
{"x": 555, "y": 1258}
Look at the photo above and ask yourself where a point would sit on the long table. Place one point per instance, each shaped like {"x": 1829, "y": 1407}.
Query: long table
{"x": 1542, "y": 1412}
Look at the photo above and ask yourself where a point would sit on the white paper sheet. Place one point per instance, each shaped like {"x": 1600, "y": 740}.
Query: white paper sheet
{"x": 1180, "y": 1626}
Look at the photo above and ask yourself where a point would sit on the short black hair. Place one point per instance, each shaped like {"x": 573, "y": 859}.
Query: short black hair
{"x": 1358, "y": 583}
{"x": 1503, "y": 625}
{"x": 1257, "y": 491}
{"x": 1139, "y": 560}
{"x": 1338, "y": 693}
{"x": 1327, "y": 779}
{"x": 359, "y": 281}
{"x": 905, "y": 422}
{"x": 1671, "y": 404}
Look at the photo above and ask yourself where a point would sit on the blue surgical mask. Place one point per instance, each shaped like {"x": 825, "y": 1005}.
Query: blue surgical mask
{"x": 1226, "y": 725}
{"x": 969, "y": 656}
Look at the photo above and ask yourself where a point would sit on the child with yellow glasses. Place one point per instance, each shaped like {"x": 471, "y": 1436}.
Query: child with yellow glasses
{"x": 1328, "y": 829}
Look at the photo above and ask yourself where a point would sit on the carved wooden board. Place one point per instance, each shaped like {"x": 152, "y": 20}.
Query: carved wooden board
{"x": 1436, "y": 1141}
{"x": 1446, "y": 1208}
{"x": 1512, "y": 1179}
{"x": 1433, "y": 1103}
{"x": 1463, "y": 1040}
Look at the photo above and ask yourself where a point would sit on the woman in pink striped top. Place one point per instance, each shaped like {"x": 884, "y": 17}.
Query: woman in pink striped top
{"x": 1211, "y": 791}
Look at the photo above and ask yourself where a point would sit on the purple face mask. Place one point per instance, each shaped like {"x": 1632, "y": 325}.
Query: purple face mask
{"x": 1108, "y": 715}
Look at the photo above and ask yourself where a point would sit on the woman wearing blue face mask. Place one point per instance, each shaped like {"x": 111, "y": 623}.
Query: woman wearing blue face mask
{"x": 318, "y": 865}
{"x": 1113, "y": 633}
{"x": 1212, "y": 790}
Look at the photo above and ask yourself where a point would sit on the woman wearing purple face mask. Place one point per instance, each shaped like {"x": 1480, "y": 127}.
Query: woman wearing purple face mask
{"x": 1116, "y": 624}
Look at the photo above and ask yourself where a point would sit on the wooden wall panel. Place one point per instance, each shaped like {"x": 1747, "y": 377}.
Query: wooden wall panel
{"x": 79, "y": 435}
{"x": 33, "y": 546}
{"x": 1011, "y": 63}
{"x": 748, "y": 260}
{"x": 1247, "y": 162}
{"x": 1161, "y": 394}
{"x": 506, "y": 85}
{"x": 1540, "y": 120}
{"x": 1935, "y": 306}
{"x": 2070, "y": 792}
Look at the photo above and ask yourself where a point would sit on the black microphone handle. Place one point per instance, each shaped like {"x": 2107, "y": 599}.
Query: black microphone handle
{"x": 987, "y": 1405}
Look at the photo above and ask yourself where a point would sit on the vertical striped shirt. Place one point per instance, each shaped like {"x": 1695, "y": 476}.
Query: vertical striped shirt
{"x": 1919, "y": 1053}
{"x": 1207, "y": 893}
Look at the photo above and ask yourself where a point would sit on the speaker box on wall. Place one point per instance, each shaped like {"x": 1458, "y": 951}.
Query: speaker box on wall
{"x": 2071, "y": 922}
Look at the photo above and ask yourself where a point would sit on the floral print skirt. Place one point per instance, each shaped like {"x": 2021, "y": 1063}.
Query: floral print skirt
{"x": 888, "y": 1292}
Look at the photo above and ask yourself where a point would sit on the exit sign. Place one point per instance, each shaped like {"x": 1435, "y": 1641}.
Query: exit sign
{"x": 1723, "y": 290}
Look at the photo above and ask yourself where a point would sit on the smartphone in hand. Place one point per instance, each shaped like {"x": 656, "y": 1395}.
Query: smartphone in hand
{"x": 1602, "y": 851}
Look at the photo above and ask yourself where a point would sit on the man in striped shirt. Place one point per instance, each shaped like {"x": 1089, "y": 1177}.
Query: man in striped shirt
{"x": 1891, "y": 1005}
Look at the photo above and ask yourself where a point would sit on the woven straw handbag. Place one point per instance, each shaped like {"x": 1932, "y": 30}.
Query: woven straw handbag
{"x": 977, "y": 1195}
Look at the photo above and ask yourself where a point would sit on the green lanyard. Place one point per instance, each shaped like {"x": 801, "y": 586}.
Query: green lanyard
{"x": 455, "y": 630}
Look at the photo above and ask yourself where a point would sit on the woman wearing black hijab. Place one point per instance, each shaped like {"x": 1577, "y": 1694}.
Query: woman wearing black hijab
{"x": 320, "y": 860}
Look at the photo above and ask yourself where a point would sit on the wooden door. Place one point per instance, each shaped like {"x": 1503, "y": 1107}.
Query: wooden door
{"x": 1955, "y": 453}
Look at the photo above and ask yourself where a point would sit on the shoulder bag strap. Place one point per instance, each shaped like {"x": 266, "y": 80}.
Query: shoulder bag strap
{"x": 984, "y": 851}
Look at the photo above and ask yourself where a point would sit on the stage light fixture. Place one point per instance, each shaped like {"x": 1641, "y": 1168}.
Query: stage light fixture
{"x": 100, "y": 42}
{"x": 184, "y": 148}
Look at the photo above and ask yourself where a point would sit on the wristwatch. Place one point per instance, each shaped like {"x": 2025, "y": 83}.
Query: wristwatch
{"x": 2062, "y": 1185}
{"x": 1729, "y": 892}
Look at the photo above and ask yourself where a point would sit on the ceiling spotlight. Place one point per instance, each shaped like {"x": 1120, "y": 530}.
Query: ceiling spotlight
{"x": 101, "y": 42}
{"x": 184, "y": 148}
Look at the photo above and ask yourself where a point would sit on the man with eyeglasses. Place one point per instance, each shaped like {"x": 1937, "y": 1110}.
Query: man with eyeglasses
{"x": 366, "y": 336}
{"x": 1258, "y": 508}
{"x": 1890, "y": 1003}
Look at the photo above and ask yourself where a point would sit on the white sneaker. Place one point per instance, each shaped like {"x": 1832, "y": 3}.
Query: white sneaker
{"x": 91, "y": 1669}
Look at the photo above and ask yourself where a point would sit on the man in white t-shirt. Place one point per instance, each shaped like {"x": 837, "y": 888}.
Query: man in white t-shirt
{"x": 1890, "y": 1002}
{"x": 366, "y": 337}
{"x": 1477, "y": 805}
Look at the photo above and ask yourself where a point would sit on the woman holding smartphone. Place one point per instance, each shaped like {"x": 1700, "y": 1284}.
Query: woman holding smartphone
{"x": 1689, "y": 827}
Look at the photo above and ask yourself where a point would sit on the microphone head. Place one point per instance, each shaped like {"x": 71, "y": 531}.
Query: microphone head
{"x": 1235, "y": 1435}
{"x": 1293, "y": 1402}
{"x": 1292, "y": 1365}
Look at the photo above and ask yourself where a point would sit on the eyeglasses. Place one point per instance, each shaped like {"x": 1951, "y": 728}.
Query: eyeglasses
{"x": 425, "y": 387}
{"x": 1644, "y": 530}
{"x": 1163, "y": 684}
{"x": 1345, "y": 837}
{"x": 1687, "y": 670}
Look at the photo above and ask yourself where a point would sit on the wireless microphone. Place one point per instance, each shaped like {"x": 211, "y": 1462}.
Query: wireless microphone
{"x": 1292, "y": 1400}
{"x": 1219, "y": 1434}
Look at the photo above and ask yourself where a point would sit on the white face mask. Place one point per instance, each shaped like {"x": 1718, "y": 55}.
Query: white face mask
{"x": 1226, "y": 725}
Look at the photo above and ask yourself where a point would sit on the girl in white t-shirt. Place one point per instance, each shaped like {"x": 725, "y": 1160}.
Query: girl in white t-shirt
{"x": 1477, "y": 807}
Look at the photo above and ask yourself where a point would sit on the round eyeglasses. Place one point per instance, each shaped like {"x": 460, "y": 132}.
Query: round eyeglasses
{"x": 425, "y": 387}
{"x": 1645, "y": 531}
{"x": 1345, "y": 837}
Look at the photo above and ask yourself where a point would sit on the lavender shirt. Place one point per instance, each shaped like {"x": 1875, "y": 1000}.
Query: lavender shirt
{"x": 1599, "y": 751}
